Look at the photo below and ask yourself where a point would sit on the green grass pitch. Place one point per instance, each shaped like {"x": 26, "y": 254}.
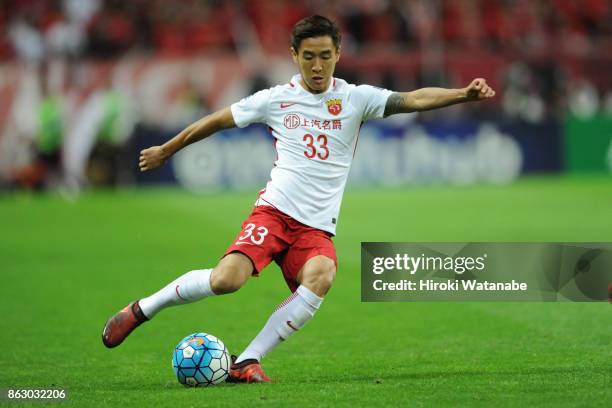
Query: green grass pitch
{"x": 67, "y": 266}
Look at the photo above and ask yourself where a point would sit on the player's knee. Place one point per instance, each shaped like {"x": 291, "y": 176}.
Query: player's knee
{"x": 327, "y": 276}
{"x": 319, "y": 275}
{"x": 227, "y": 279}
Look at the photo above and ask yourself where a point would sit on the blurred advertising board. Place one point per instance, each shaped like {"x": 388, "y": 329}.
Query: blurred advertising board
{"x": 588, "y": 144}
{"x": 391, "y": 152}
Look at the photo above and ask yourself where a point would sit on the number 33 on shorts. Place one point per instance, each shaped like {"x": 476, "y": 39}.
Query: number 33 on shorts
{"x": 255, "y": 233}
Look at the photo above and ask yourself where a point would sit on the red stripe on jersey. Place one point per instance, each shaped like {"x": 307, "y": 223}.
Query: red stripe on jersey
{"x": 334, "y": 84}
{"x": 269, "y": 203}
{"x": 357, "y": 141}
{"x": 262, "y": 191}
{"x": 275, "y": 140}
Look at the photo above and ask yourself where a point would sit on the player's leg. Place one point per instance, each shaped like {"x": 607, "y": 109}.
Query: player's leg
{"x": 315, "y": 279}
{"x": 228, "y": 276}
{"x": 249, "y": 254}
{"x": 318, "y": 275}
{"x": 309, "y": 268}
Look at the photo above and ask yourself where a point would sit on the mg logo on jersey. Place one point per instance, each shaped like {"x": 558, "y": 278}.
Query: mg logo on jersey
{"x": 334, "y": 106}
{"x": 291, "y": 121}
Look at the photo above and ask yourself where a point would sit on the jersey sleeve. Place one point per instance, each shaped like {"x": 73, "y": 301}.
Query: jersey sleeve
{"x": 252, "y": 109}
{"x": 372, "y": 100}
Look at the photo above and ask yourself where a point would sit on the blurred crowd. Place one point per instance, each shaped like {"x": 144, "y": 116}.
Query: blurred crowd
{"x": 37, "y": 28}
{"x": 71, "y": 97}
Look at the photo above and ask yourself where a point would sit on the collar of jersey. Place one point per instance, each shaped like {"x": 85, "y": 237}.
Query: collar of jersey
{"x": 295, "y": 80}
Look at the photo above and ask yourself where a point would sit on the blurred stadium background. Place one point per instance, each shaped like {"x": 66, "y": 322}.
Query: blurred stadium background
{"x": 85, "y": 84}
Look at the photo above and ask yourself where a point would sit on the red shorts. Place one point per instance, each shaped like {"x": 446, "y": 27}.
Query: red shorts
{"x": 269, "y": 234}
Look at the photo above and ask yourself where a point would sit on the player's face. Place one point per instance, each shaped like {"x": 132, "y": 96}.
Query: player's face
{"x": 316, "y": 59}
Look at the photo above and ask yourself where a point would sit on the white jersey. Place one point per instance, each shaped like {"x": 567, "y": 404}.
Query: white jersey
{"x": 316, "y": 136}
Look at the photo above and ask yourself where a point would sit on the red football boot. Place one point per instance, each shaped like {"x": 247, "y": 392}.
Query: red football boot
{"x": 119, "y": 326}
{"x": 247, "y": 371}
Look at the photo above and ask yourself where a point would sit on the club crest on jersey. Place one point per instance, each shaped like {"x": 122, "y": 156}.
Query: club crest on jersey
{"x": 334, "y": 106}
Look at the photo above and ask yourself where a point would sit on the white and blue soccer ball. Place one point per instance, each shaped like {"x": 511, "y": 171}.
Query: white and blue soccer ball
{"x": 200, "y": 360}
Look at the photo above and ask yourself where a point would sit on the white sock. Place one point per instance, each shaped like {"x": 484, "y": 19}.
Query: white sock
{"x": 289, "y": 317}
{"x": 192, "y": 286}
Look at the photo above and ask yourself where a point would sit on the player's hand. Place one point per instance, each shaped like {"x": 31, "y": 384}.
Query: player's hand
{"x": 479, "y": 90}
{"x": 152, "y": 158}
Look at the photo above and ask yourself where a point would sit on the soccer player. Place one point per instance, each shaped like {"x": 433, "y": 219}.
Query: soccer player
{"x": 315, "y": 119}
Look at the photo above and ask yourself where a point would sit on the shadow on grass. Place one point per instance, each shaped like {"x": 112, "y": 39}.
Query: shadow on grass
{"x": 392, "y": 376}
{"x": 167, "y": 386}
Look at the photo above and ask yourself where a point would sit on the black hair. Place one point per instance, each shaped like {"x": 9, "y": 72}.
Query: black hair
{"x": 315, "y": 26}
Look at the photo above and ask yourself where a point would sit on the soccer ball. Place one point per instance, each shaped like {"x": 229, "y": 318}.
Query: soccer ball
{"x": 200, "y": 360}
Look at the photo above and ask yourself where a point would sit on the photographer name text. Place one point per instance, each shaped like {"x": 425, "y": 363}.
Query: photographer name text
{"x": 413, "y": 265}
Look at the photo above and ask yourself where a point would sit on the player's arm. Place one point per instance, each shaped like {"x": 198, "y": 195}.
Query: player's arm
{"x": 432, "y": 98}
{"x": 156, "y": 156}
